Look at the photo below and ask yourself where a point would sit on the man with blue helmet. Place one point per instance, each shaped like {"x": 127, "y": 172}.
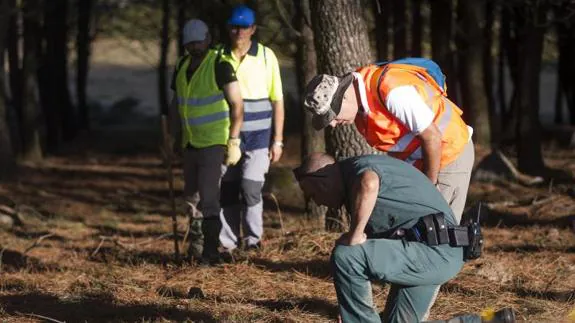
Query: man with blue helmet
{"x": 257, "y": 70}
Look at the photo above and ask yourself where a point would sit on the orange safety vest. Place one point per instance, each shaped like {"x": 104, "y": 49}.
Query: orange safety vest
{"x": 384, "y": 132}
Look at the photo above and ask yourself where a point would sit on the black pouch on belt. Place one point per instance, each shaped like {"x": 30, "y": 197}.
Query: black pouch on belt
{"x": 431, "y": 229}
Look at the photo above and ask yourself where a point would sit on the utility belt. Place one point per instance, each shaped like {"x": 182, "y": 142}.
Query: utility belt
{"x": 433, "y": 231}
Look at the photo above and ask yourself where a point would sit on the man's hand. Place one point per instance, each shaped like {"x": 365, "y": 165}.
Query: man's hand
{"x": 276, "y": 151}
{"x": 347, "y": 239}
{"x": 233, "y": 152}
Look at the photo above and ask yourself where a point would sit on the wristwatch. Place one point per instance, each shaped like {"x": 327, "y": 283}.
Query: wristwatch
{"x": 278, "y": 143}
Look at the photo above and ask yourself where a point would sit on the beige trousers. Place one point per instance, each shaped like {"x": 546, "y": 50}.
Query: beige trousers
{"x": 453, "y": 183}
{"x": 453, "y": 180}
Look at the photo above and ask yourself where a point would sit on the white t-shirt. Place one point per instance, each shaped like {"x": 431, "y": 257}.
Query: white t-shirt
{"x": 405, "y": 103}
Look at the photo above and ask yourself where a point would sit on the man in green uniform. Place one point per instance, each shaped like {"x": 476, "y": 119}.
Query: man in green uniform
{"x": 386, "y": 198}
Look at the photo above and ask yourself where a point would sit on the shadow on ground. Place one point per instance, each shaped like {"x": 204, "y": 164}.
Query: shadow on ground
{"x": 95, "y": 308}
{"x": 316, "y": 268}
{"x": 312, "y": 305}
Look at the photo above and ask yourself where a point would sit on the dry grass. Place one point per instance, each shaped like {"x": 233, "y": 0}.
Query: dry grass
{"x": 99, "y": 249}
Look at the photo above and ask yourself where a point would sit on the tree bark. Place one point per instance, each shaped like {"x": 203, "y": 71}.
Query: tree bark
{"x": 565, "y": 66}
{"x": 83, "y": 45}
{"x": 502, "y": 54}
{"x": 162, "y": 65}
{"x": 7, "y": 160}
{"x": 417, "y": 28}
{"x": 31, "y": 146}
{"x": 53, "y": 75}
{"x": 441, "y": 36}
{"x": 531, "y": 32}
{"x": 471, "y": 45}
{"x": 488, "y": 65}
{"x": 399, "y": 9}
{"x": 312, "y": 140}
{"x": 381, "y": 14}
{"x": 342, "y": 46}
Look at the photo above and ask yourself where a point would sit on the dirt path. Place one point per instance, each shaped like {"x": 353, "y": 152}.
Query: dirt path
{"x": 98, "y": 249}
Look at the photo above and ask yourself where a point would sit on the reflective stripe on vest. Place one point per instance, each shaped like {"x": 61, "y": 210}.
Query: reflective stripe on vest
{"x": 384, "y": 132}
{"x": 203, "y": 109}
{"x": 257, "y": 114}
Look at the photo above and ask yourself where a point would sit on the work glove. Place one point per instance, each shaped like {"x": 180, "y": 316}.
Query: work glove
{"x": 233, "y": 152}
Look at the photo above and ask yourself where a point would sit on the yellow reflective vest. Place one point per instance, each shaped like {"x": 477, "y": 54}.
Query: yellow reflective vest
{"x": 204, "y": 111}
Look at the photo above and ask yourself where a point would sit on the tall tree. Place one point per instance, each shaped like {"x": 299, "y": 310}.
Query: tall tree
{"x": 83, "y": 44}
{"x": 380, "y": 10}
{"x": 417, "y": 28}
{"x": 399, "y": 9}
{"x": 7, "y": 161}
{"x": 53, "y": 75}
{"x": 531, "y": 27}
{"x": 312, "y": 141}
{"x": 488, "y": 64}
{"x": 470, "y": 44}
{"x": 441, "y": 38}
{"x": 342, "y": 45}
{"x": 30, "y": 127}
{"x": 565, "y": 23}
{"x": 162, "y": 65}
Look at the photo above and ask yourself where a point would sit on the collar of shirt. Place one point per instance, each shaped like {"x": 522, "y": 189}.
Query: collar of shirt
{"x": 358, "y": 80}
{"x": 253, "y": 51}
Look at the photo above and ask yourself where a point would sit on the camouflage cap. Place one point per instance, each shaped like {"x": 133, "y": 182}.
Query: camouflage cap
{"x": 323, "y": 96}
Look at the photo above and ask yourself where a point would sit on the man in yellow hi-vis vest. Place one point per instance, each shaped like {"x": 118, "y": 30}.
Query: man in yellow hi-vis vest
{"x": 258, "y": 73}
{"x": 210, "y": 112}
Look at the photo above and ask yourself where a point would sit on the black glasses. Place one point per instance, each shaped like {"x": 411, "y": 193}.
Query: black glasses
{"x": 299, "y": 175}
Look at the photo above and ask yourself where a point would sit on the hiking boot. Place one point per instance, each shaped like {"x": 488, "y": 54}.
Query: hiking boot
{"x": 196, "y": 246}
{"x": 211, "y": 228}
{"x": 505, "y": 315}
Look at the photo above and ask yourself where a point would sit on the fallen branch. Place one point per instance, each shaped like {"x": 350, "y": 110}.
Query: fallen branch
{"x": 37, "y": 242}
{"x": 273, "y": 197}
{"x": 40, "y": 317}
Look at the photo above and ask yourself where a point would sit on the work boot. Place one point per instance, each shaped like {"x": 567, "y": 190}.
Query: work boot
{"x": 211, "y": 228}
{"x": 505, "y": 315}
{"x": 196, "y": 246}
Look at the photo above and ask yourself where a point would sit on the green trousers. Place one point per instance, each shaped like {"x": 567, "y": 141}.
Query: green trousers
{"x": 413, "y": 269}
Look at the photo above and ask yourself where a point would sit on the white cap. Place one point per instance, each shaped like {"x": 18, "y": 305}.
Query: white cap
{"x": 194, "y": 30}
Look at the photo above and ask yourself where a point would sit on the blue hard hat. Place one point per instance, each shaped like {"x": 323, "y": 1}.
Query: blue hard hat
{"x": 242, "y": 16}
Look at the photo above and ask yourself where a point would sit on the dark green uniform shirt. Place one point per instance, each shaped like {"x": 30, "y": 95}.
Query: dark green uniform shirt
{"x": 405, "y": 193}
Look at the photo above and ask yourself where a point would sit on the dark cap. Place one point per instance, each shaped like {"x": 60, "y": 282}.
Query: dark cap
{"x": 323, "y": 96}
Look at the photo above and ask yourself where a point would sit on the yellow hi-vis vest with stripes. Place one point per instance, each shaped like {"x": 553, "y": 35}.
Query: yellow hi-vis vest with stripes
{"x": 204, "y": 111}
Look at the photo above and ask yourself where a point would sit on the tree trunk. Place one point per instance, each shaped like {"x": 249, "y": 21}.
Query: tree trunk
{"x": 417, "y": 28}
{"x": 399, "y": 9}
{"x": 501, "y": 88}
{"x": 381, "y": 14}
{"x": 441, "y": 36}
{"x": 471, "y": 50}
{"x": 342, "y": 45}
{"x": 83, "y": 61}
{"x": 531, "y": 32}
{"x": 53, "y": 76}
{"x": 566, "y": 65}
{"x": 59, "y": 59}
{"x": 162, "y": 65}
{"x": 513, "y": 19}
{"x": 7, "y": 161}
{"x": 488, "y": 65}
{"x": 312, "y": 140}
{"x": 181, "y": 6}
{"x": 31, "y": 146}
{"x": 14, "y": 109}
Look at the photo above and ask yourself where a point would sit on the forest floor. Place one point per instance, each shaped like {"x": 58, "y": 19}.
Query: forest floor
{"x": 96, "y": 246}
